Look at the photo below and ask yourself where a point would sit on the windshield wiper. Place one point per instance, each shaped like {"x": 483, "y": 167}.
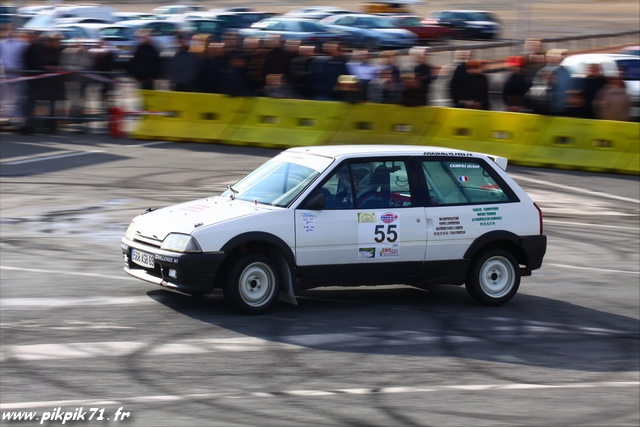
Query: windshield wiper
{"x": 233, "y": 192}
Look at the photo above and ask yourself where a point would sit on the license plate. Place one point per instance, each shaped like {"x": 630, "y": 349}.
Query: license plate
{"x": 142, "y": 258}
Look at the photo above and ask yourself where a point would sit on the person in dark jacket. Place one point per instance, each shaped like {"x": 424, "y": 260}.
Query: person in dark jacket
{"x": 459, "y": 76}
{"x": 325, "y": 72}
{"x": 145, "y": 64}
{"x": 33, "y": 63}
{"x": 424, "y": 74}
{"x": 591, "y": 85}
{"x": 475, "y": 92}
{"x": 516, "y": 86}
{"x": 234, "y": 78}
{"x": 183, "y": 67}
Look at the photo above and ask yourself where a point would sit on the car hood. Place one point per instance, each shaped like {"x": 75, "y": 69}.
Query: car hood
{"x": 187, "y": 217}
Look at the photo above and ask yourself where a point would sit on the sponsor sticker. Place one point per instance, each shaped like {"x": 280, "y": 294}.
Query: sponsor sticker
{"x": 364, "y": 253}
{"x": 388, "y": 217}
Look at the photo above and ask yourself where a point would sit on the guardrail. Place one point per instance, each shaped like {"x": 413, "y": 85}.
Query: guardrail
{"x": 527, "y": 139}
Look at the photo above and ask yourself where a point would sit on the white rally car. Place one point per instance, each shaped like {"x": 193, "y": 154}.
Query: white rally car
{"x": 346, "y": 216}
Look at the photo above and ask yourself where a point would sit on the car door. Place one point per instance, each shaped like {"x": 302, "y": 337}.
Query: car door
{"x": 372, "y": 225}
{"x": 467, "y": 198}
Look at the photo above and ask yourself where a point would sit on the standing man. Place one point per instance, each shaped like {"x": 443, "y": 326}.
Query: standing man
{"x": 145, "y": 64}
{"x": 423, "y": 74}
{"x": 460, "y": 77}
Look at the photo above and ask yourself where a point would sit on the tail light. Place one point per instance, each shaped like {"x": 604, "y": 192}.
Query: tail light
{"x": 539, "y": 215}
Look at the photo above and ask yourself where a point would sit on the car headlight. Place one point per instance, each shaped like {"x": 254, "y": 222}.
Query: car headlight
{"x": 180, "y": 243}
{"x": 130, "y": 233}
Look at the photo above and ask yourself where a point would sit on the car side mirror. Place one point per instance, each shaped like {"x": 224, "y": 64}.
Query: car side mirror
{"x": 317, "y": 202}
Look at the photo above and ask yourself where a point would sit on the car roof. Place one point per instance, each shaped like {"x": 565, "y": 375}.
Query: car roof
{"x": 371, "y": 150}
{"x": 586, "y": 57}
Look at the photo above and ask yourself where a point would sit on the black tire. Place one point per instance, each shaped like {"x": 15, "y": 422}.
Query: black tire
{"x": 252, "y": 284}
{"x": 494, "y": 277}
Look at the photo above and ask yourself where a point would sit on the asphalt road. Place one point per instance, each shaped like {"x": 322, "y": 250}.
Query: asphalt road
{"x": 77, "y": 332}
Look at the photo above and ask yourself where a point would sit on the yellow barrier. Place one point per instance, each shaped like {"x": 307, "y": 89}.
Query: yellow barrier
{"x": 288, "y": 123}
{"x": 196, "y": 117}
{"x": 384, "y": 124}
{"x": 593, "y": 145}
{"x": 526, "y": 139}
{"x": 503, "y": 134}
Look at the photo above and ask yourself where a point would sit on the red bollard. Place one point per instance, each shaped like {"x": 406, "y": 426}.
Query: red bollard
{"x": 115, "y": 122}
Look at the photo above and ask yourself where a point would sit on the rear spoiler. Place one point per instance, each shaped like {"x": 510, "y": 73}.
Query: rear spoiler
{"x": 500, "y": 161}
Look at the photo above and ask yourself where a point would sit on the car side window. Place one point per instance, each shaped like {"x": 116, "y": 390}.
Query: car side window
{"x": 463, "y": 182}
{"x": 381, "y": 184}
{"x": 338, "y": 190}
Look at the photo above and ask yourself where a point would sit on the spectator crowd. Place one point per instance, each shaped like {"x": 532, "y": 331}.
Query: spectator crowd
{"x": 270, "y": 67}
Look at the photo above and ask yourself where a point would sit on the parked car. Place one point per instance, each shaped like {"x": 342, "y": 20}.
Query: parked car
{"x": 469, "y": 23}
{"x": 175, "y": 10}
{"x": 214, "y": 27}
{"x": 163, "y": 32}
{"x": 631, "y": 50}
{"x": 307, "y": 31}
{"x": 627, "y": 67}
{"x": 317, "y": 12}
{"x": 83, "y": 31}
{"x": 370, "y": 31}
{"x": 346, "y": 215}
{"x": 132, "y": 16}
{"x": 239, "y": 20}
{"x": 70, "y": 14}
{"x": 427, "y": 33}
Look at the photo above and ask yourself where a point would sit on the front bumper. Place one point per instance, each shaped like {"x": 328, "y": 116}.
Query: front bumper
{"x": 187, "y": 273}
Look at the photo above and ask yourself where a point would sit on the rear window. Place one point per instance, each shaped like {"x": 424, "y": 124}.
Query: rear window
{"x": 460, "y": 181}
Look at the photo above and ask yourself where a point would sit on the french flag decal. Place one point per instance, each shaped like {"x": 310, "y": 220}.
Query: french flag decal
{"x": 463, "y": 178}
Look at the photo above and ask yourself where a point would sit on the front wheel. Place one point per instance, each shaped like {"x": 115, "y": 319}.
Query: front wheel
{"x": 252, "y": 284}
{"x": 494, "y": 277}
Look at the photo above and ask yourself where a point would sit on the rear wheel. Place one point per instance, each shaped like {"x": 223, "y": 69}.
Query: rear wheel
{"x": 494, "y": 277}
{"x": 252, "y": 284}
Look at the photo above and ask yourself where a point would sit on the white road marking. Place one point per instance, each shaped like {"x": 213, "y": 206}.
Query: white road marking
{"x": 601, "y": 270}
{"x": 148, "y": 144}
{"x": 71, "y": 273}
{"x": 54, "y": 157}
{"x": 127, "y": 348}
{"x": 574, "y": 189}
{"x": 30, "y": 303}
{"x": 315, "y": 393}
{"x": 582, "y": 224}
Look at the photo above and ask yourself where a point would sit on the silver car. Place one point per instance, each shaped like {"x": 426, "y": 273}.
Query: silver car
{"x": 306, "y": 30}
{"x": 370, "y": 31}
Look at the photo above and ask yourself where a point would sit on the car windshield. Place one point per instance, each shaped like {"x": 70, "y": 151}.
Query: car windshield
{"x": 277, "y": 182}
{"x": 381, "y": 23}
{"x": 629, "y": 69}
{"x": 478, "y": 16}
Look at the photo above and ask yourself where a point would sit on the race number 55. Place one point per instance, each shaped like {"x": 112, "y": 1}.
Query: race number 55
{"x": 391, "y": 235}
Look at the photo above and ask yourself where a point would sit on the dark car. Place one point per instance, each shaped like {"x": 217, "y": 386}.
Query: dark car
{"x": 427, "y": 33}
{"x": 469, "y": 23}
{"x": 306, "y": 30}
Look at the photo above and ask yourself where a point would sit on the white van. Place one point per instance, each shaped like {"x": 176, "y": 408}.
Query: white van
{"x": 69, "y": 14}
